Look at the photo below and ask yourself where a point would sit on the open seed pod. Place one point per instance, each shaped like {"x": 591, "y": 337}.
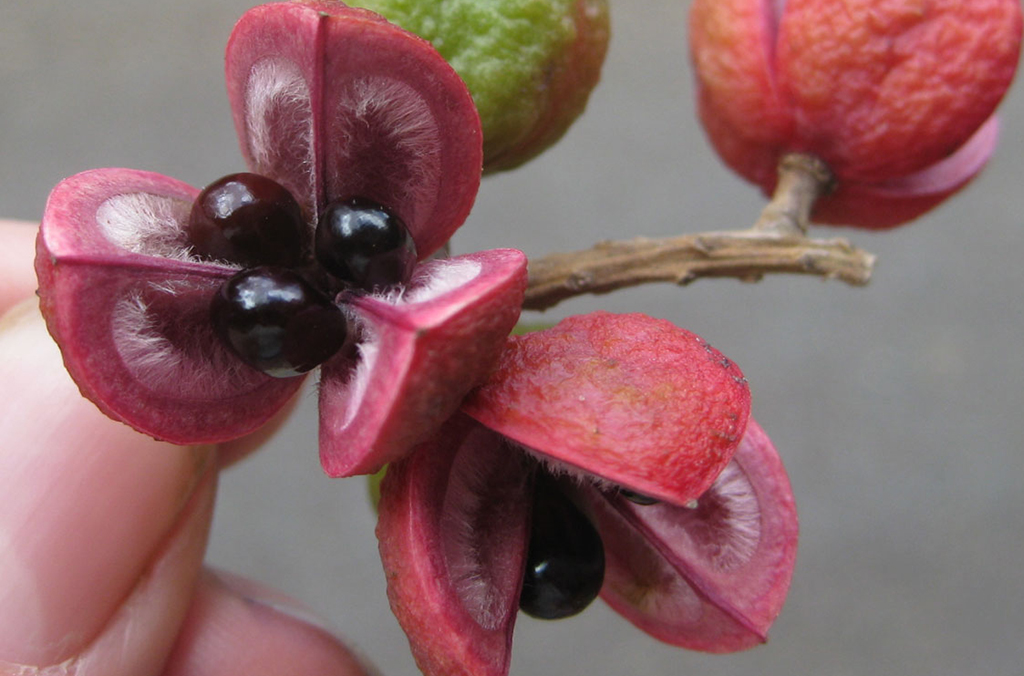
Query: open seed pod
{"x": 453, "y": 528}
{"x": 130, "y": 310}
{"x": 331, "y": 103}
{"x": 456, "y": 516}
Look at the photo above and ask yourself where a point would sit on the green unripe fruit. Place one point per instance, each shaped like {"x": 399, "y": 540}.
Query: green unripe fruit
{"x": 529, "y": 64}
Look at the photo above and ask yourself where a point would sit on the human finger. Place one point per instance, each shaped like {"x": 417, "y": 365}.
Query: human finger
{"x": 236, "y": 626}
{"x": 17, "y": 275}
{"x": 102, "y": 529}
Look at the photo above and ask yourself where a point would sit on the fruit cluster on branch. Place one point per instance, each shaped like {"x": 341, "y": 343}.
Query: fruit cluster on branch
{"x": 609, "y": 455}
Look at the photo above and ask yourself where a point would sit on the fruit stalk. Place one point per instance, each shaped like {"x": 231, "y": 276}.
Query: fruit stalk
{"x": 777, "y": 243}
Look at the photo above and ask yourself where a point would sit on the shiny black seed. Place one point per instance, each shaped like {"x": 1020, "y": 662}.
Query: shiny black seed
{"x": 364, "y": 244}
{"x": 277, "y": 322}
{"x": 638, "y": 498}
{"x": 247, "y": 219}
{"x": 565, "y": 560}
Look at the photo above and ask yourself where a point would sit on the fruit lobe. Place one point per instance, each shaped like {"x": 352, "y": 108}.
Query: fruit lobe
{"x": 637, "y": 401}
{"x": 529, "y": 64}
{"x": 130, "y": 310}
{"x": 453, "y": 527}
{"x": 333, "y": 101}
{"x": 883, "y": 92}
{"x": 422, "y": 350}
{"x": 711, "y": 577}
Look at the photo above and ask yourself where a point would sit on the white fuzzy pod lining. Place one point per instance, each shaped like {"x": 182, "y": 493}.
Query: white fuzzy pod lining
{"x": 472, "y": 514}
{"x": 354, "y": 389}
{"x": 190, "y": 369}
{"x": 441, "y": 278}
{"x": 278, "y": 108}
{"x": 147, "y": 224}
{"x": 743, "y": 531}
{"x": 380, "y": 112}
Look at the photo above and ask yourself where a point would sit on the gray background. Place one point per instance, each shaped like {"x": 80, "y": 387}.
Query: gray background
{"x": 897, "y": 408}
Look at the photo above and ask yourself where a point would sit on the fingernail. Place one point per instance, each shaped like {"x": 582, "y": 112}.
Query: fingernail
{"x": 87, "y": 501}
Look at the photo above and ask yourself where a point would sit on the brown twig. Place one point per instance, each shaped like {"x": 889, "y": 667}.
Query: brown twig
{"x": 777, "y": 243}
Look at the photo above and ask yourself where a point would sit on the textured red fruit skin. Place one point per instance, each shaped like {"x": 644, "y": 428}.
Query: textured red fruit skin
{"x": 348, "y": 160}
{"x": 634, "y": 400}
{"x": 730, "y": 604}
{"x": 444, "y": 636}
{"x": 82, "y": 274}
{"x": 889, "y": 94}
{"x": 421, "y": 379}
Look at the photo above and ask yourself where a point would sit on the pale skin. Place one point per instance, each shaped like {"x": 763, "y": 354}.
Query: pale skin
{"x": 103, "y": 530}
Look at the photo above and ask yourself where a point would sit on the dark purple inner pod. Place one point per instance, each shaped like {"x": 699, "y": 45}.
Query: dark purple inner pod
{"x": 711, "y": 575}
{"x": 453, "y": 529}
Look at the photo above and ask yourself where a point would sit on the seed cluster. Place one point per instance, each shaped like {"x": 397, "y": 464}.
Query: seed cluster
{"x": 278, "y": 314}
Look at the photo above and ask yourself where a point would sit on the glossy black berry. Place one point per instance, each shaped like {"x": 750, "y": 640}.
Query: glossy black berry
{"x": 364, "y": 244}
{"x": 247, "y": 219}
{"x": 638, "y": 498}
{"x": 565, "y": 561}
{"x": 277, "y": 322}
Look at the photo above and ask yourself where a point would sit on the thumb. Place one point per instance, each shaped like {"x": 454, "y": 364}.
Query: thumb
{"x": 17, "y": 278}
{"x": 102, "y": 530}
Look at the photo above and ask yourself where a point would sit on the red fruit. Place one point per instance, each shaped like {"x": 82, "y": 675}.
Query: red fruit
{"x": 329, "y": 102}
{"x": 454, "y": 514}
{"x": 637, "y": 401}
{"x": 893, "y": 96}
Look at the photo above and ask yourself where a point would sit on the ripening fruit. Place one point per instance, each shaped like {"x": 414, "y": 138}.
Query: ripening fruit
{"x": 529, "y": 64}
{"x": 896, "y": 97}
{"x": 364, "y": 244}
{"x": 277, "y": 322}
{"x": 248, "y": 219}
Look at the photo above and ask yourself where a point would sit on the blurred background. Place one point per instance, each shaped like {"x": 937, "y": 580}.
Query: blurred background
{"x": 897, "y": 407}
